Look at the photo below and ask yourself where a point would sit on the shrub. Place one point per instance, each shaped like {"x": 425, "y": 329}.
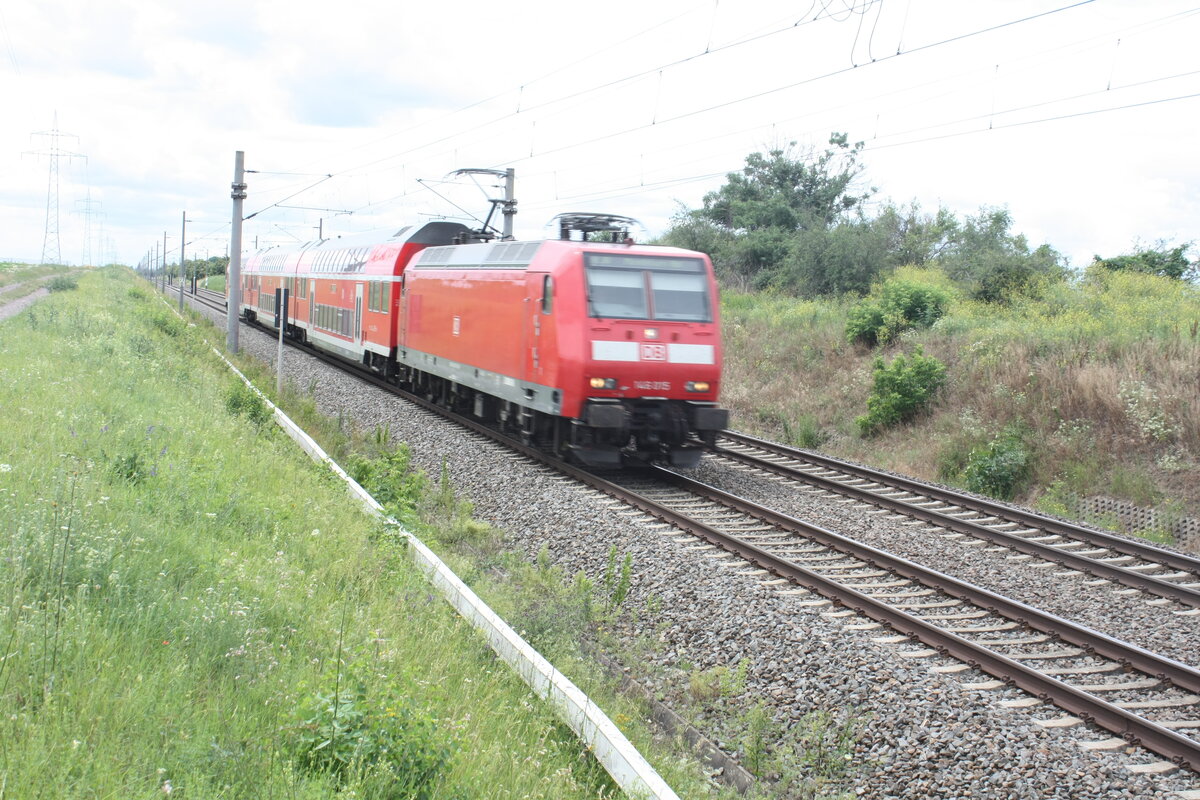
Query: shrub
{"x": 242, "y": 401}
{"x": 384, "y": 743}
{"x": 1001, "y": 468}
{"x": 390, "y": 479}
{"x": 918, "y": 304}
{"x": 902, "y": 305}
{"x": 807, "y": 432}
{"x": 901, "y": 389}
{"x": 864, "y": 322}
{"x": 168, "y": 324}
{"x": 62, "y": 283}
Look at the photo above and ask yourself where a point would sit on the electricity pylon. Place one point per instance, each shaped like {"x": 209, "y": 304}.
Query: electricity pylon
{"x": 51, "y": 248}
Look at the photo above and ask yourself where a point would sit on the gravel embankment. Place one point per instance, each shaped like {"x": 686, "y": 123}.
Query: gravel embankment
{"x": 921, "y": 735}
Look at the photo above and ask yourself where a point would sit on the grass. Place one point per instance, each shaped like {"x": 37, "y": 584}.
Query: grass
{"x": 20, "y": 280}
{"x": 181, "y": 591}
{"x": 1097, "y": 374}
{"x": 214, "y": 282}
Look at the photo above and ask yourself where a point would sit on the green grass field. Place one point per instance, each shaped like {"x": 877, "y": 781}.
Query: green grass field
{"x": 214, "y": 282}
{"x": 189, "y": 605}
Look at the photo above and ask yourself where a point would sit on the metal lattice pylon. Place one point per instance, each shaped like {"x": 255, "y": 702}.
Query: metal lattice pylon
{"x": 51, "y": 247}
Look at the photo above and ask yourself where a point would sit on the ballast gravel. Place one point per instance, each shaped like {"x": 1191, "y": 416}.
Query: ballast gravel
{"x": 916, "y": 733}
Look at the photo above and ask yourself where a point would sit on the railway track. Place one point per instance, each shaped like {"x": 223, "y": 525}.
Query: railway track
{"x": 1137, "y": 566}
{"x": 214, "y": 300}
{"x": 1138, "y": 696}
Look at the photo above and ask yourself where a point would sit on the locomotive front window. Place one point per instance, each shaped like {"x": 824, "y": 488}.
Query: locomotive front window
{"x": 668, "y": 288}
{"x": 617, "y": 293}
{"x": 680, "y": 296}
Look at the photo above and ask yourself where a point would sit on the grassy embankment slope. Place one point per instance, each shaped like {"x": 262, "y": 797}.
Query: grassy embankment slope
{"x": 1098, "y": 382}
{"x": 188, "y": 603}
{"x": 18, "y": 280}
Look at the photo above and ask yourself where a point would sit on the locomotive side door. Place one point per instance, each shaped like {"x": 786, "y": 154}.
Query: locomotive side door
{"x": 539, "y": 303}
{"x": 312, "y": 301}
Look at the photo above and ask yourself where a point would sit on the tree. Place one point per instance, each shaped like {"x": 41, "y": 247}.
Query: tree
{"x": 789, "y": 189}
{"x": 913, "y": 238}
{"x": 993, "y": 264}
{"x": 1169, "y": 262}
{"x": 768, "y": 225}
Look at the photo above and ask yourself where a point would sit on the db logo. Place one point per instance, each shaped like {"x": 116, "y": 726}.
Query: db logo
{"x": 654, "y": 352}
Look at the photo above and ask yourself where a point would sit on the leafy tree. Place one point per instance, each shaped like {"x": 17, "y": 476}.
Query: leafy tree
{"x": 789, "y": 189}
{"x": 767, "y": 225}
{"x": 914, "y": 238}
{"x": 992, "y": 263}
{"x": 846, "y": 258}
{"x": 1169, "y": 262}
{"x": 794, "y": 221}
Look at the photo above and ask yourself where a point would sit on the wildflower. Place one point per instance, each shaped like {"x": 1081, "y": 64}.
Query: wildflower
{"x": 167, "y": 787}
{"x": 5, "y": 467}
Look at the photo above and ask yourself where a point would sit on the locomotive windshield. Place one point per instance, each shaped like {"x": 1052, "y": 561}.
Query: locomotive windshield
{"x": 667, "y": 288}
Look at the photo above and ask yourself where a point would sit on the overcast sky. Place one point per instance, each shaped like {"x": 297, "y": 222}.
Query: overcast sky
{"x": 1081, "y": 118}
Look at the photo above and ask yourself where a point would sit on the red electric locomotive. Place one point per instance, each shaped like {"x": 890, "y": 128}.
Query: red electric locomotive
{"x": 603, "y": 352}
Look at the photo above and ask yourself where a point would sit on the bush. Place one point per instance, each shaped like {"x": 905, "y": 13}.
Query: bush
{"x": 62, "y": 283}
{"x": 902, "y": 305}
{"x": 864, "y": 322}
{"x": 901, "y": 389}
{"x": 1001, "y": 468}
{"x": 918, "y": 304}
{"x": 168, "y": 323}
{"x": 384, "y": 743}
{"x": 391, "y": 479}
{"x": 242, "y": 401}
{"x": 807, "y": 433}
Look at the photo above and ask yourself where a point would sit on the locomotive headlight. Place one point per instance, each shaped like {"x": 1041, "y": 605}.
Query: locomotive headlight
{"x": 604, "y": 383}
{"x": 697, "y": 386}
{"x": 650, "y": 333}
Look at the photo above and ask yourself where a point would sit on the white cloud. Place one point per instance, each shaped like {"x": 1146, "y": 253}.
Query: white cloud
{"x": 161, "y": 95}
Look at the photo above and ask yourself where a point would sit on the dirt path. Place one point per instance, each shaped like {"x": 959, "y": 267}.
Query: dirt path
{"x": 17, "y": 306}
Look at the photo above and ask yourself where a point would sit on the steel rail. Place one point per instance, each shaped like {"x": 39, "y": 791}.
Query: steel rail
{"x": 1149, "y": 583}
{"x": 1171, "y": 745}
{"x": 1020, "y": 516}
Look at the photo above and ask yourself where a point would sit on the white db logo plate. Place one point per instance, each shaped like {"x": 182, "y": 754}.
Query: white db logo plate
{"x": 654, "y": 352}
